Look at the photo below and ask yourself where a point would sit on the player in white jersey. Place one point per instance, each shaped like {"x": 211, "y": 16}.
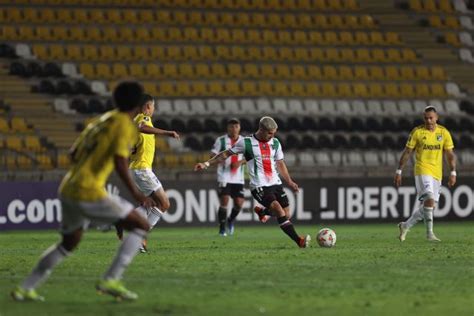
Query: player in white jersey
{"x": 230, "y": 177}
{"x": 264, "y": 157}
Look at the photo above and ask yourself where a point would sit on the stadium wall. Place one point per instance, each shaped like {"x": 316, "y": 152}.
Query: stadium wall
{"x": 34, "y": 205}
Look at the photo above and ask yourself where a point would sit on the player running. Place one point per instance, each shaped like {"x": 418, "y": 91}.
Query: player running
{"x": 264, "y": 157}
{"x": 104, "y": 145}
{"x": 141, "y": 162}
{"x": 429, "y": 141}
{"x": 230, "y": 177}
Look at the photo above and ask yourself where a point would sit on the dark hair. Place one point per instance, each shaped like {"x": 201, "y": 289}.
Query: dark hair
{"x": 430, "y": 108}
{"x": 233, "y": 120}
{"x": 128, "y": 95}
{"x": 147, "y": 98}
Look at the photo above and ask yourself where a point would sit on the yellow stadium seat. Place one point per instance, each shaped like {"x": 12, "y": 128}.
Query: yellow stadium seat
{"x": 87, "y": 70}
{"x": 31, "y": 15}
{"x": 200, "y": 88}
{"x": 378, "y": 55}
{"x": 281, "y": 88}
{"x": 344, "y": 90}
{"x": 430, "y": 5}
{"x": 435, "y": 21}
{"x": 40, "y": 51}
{"x": 316, "y": 54}
{"x": 59, "y": 33}
{"x": 361, "y": 38}
{"x": 77, "y": 33}
{"x": 321, "y": 21}
{"x": 63, "y": 161}
{"x": 157, "y": 34}
{"x": 416, "y": 5}
{"x": 362, "y": 55}
{"x": 336, "y": 21}
{"x": 407, "y": 90}
{"x": 251, "y": 71}
{"x": 24, "y": 162}
{"x": 124, "y": 53}
{"x": 393, "y": 55}
{"x": 366, "y": 21}
{"x": 80, "y": 16}
{"x": 222, "y": 51}
{"x": 202, "y": 70}
{"x": 330, "y": 38}
{"x": 267, "y": 71}
{"x": 137, "y": 70}
{"x": 336, "y": 4}
{"x": 42, "y": 32}
{"x": 239, "y": 53}
{"x": 146, "y": 16}
{"x": 174, "y": 53}
{"x": 218, "y": 70}
{"x": 376, "y": 73}
{"x": 56, "y": 51}
{"x": 4, "y": 127}
{"x": 140, "y": 53}
{"x": 446, "y": 6}
{"x": 216, "y": 88}
{"x": 285, "y": 53}
{"x": 269, "y": 53}
{"x": 110, "y": 34}
{"x": 376, "y": 38}
{"x": 315, "y": 38}
{"x": 452, "y": 38}
{"x": 91, "y": 52}
{"x": 297, "y": 89}
{"x": 391, "y": 90}
{"x": 190, "y": 52}
{"x": 299, "y": 37}
{"x": 437, "y": 90}
{"x": 249, "y": 88}
{"x": 330, "y": 73}
{"x": 142, "y": 34}
{"x": 18, "y": 124}
{"x": 205, "y": 52}
{"x": 107, "y": 52}
{"x": 103, "y": 71}
{"x": 183, "y": 89}
{"x": 375, "y": 90}
{"x": 282, "y": 71}
{"x": 64, "y": 15}
{"x": 114, "y": 16}
{"x": 392, "y": 73}
{"x": 328, "y": 89}
{"x": 32, "y": 143}
{"x": 93, "y": 34}
{"x": 170, "y": 70}
{"x": 269, "y": 37}
{"x": 285, "y": 37}
{"x": 422, "y": 90}
{"x": 345, "y": 73}
{"x": 119, "y": 70}
{"x": 452, "y": 22}
{"x": 130, "y": 16}
{"x": 153, "y": 71}
{"x": 332, "y": 55}
{"x": 292, "y": 21}
{"x": 44, "y": 162}
{"x": 169, "y": 89}
{"x": 392, "y": 38}
{"x": 314, "y": 72}
{"x": 361, "y": 73}
{"x": 152, "y": 88}
{"x": 407, "y": 73}
{"x": 346, "y": 38}
{"x": 347, "y": 55}
{"x": 313, "y": 90}
{"x": 409, "y": 55}
{"x": 299, "y": 72}
{"x": 186, "y": 70}
{"x": 302, "y": 54}
{"x": 73, "y": 52}
{"x": 14, "y": 142}
{"x": 14, "y": 15}
{"x": 422, "y": 72}
{"x": 232, "y": 88}
{"x": 360, "y": 90}
{"x": 265, "y": 88}
{"x": 234, "y": 70}
{"x": 437, "y": 73}
{"x": 157, "y": 53}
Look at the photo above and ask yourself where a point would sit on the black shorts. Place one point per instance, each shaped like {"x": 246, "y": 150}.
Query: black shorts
{"x": 235, "y": 190}
{"x": 266, "y": 195}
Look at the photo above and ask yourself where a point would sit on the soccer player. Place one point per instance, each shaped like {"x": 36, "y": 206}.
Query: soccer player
{"x": 264, "y": 157}
{"x": 104, "y": 145}
{"x": 230, "y": 177}
{"x": 141, "y": 162}
{"x": 429, "y": 141}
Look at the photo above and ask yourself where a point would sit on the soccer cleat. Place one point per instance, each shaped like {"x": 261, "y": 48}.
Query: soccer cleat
{"x": 222, "y": 233}
{"x": 432, "y": 237}
{"x": 115, "y": 288}
{"x": 304, "y": 241}
{"x": 403, "y": 231}
{"x": 21, "y": 295}
{"x": 143, "y": 248}
{"x": 230, "y": 227}
{"x": 262, "y": 217}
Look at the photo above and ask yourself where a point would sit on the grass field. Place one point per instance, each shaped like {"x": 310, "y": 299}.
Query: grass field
{"x": 256, "y": 272}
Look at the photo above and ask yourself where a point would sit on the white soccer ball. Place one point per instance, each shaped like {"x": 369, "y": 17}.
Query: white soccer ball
{"x": 326, "y": 238}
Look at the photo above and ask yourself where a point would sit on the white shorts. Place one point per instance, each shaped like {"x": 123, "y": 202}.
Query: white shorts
{"x": 78, "y": 214}
{"x": 146, "y": 180}
{"x": 427, "y": 185}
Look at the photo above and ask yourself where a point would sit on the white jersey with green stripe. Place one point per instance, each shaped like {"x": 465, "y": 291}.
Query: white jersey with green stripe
{"x": 261, "y": 160}
{"x": 225, "y": 173}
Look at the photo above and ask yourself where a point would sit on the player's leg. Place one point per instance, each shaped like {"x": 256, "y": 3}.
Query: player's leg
{"x": 136, "y": 224}
{"x": 162, "y": 205}
{"x": 417, "y": 215}
{"x": 72, "y": 228}
{"x": 430, "y": 196}
{"x": 237, "y": 194}
{"x": 224, "y": 198}
{"x": 286, "y": 225}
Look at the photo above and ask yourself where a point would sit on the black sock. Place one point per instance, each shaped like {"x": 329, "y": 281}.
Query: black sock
{"x": 221, "y": 216}
{"x": 288, "y": 228}
{"x": 234, "y": 213}
{"x": 119, "y": 230}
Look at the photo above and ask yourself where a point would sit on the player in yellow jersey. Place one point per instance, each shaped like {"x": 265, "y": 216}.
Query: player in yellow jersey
{"x": 103, "y": 146}
{"x": 429, "y": 142}
{"x": 141, "y": 162}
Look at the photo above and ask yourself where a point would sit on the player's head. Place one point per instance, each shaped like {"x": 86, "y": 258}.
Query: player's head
{"x": 267, "y": 128}
{"x": 127, "y": 96}
{"x": 430, "y": 116}
{"x": 233, "y": 127}
{"x": 148, "y": 104}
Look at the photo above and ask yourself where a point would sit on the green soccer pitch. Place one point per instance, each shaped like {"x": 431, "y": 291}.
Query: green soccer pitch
{"x": 258, "y": 271}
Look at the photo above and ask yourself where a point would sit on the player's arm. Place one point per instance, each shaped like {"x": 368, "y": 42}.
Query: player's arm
{"x": 157, "y": 131}
{"x": 451, "y": 158}
{"x": 220, "y": 157}
{"x": 238, "y": 163}
{"x": 121, "y": 167}
{"x": 403, "y": 160}
{"x": 285, "y": 174}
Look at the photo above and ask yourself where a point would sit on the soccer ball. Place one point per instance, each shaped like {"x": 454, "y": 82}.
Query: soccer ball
{"x": 326, "y": 238}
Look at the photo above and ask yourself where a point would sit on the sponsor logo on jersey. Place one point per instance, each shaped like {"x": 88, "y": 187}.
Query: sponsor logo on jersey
{"x": 431, "y": 147}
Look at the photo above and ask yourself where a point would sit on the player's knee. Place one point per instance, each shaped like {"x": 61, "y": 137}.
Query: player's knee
{"x": 428, "y": 202}
{"x": 165, "y": 205}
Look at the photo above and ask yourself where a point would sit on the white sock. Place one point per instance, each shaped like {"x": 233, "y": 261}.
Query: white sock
{"x": 154, "y": 215}
{"x": 127, "y": 250}
{"x": 428, "y": 217}
{"x": 53, "y": 256}
{"x": 415, "y": 217}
